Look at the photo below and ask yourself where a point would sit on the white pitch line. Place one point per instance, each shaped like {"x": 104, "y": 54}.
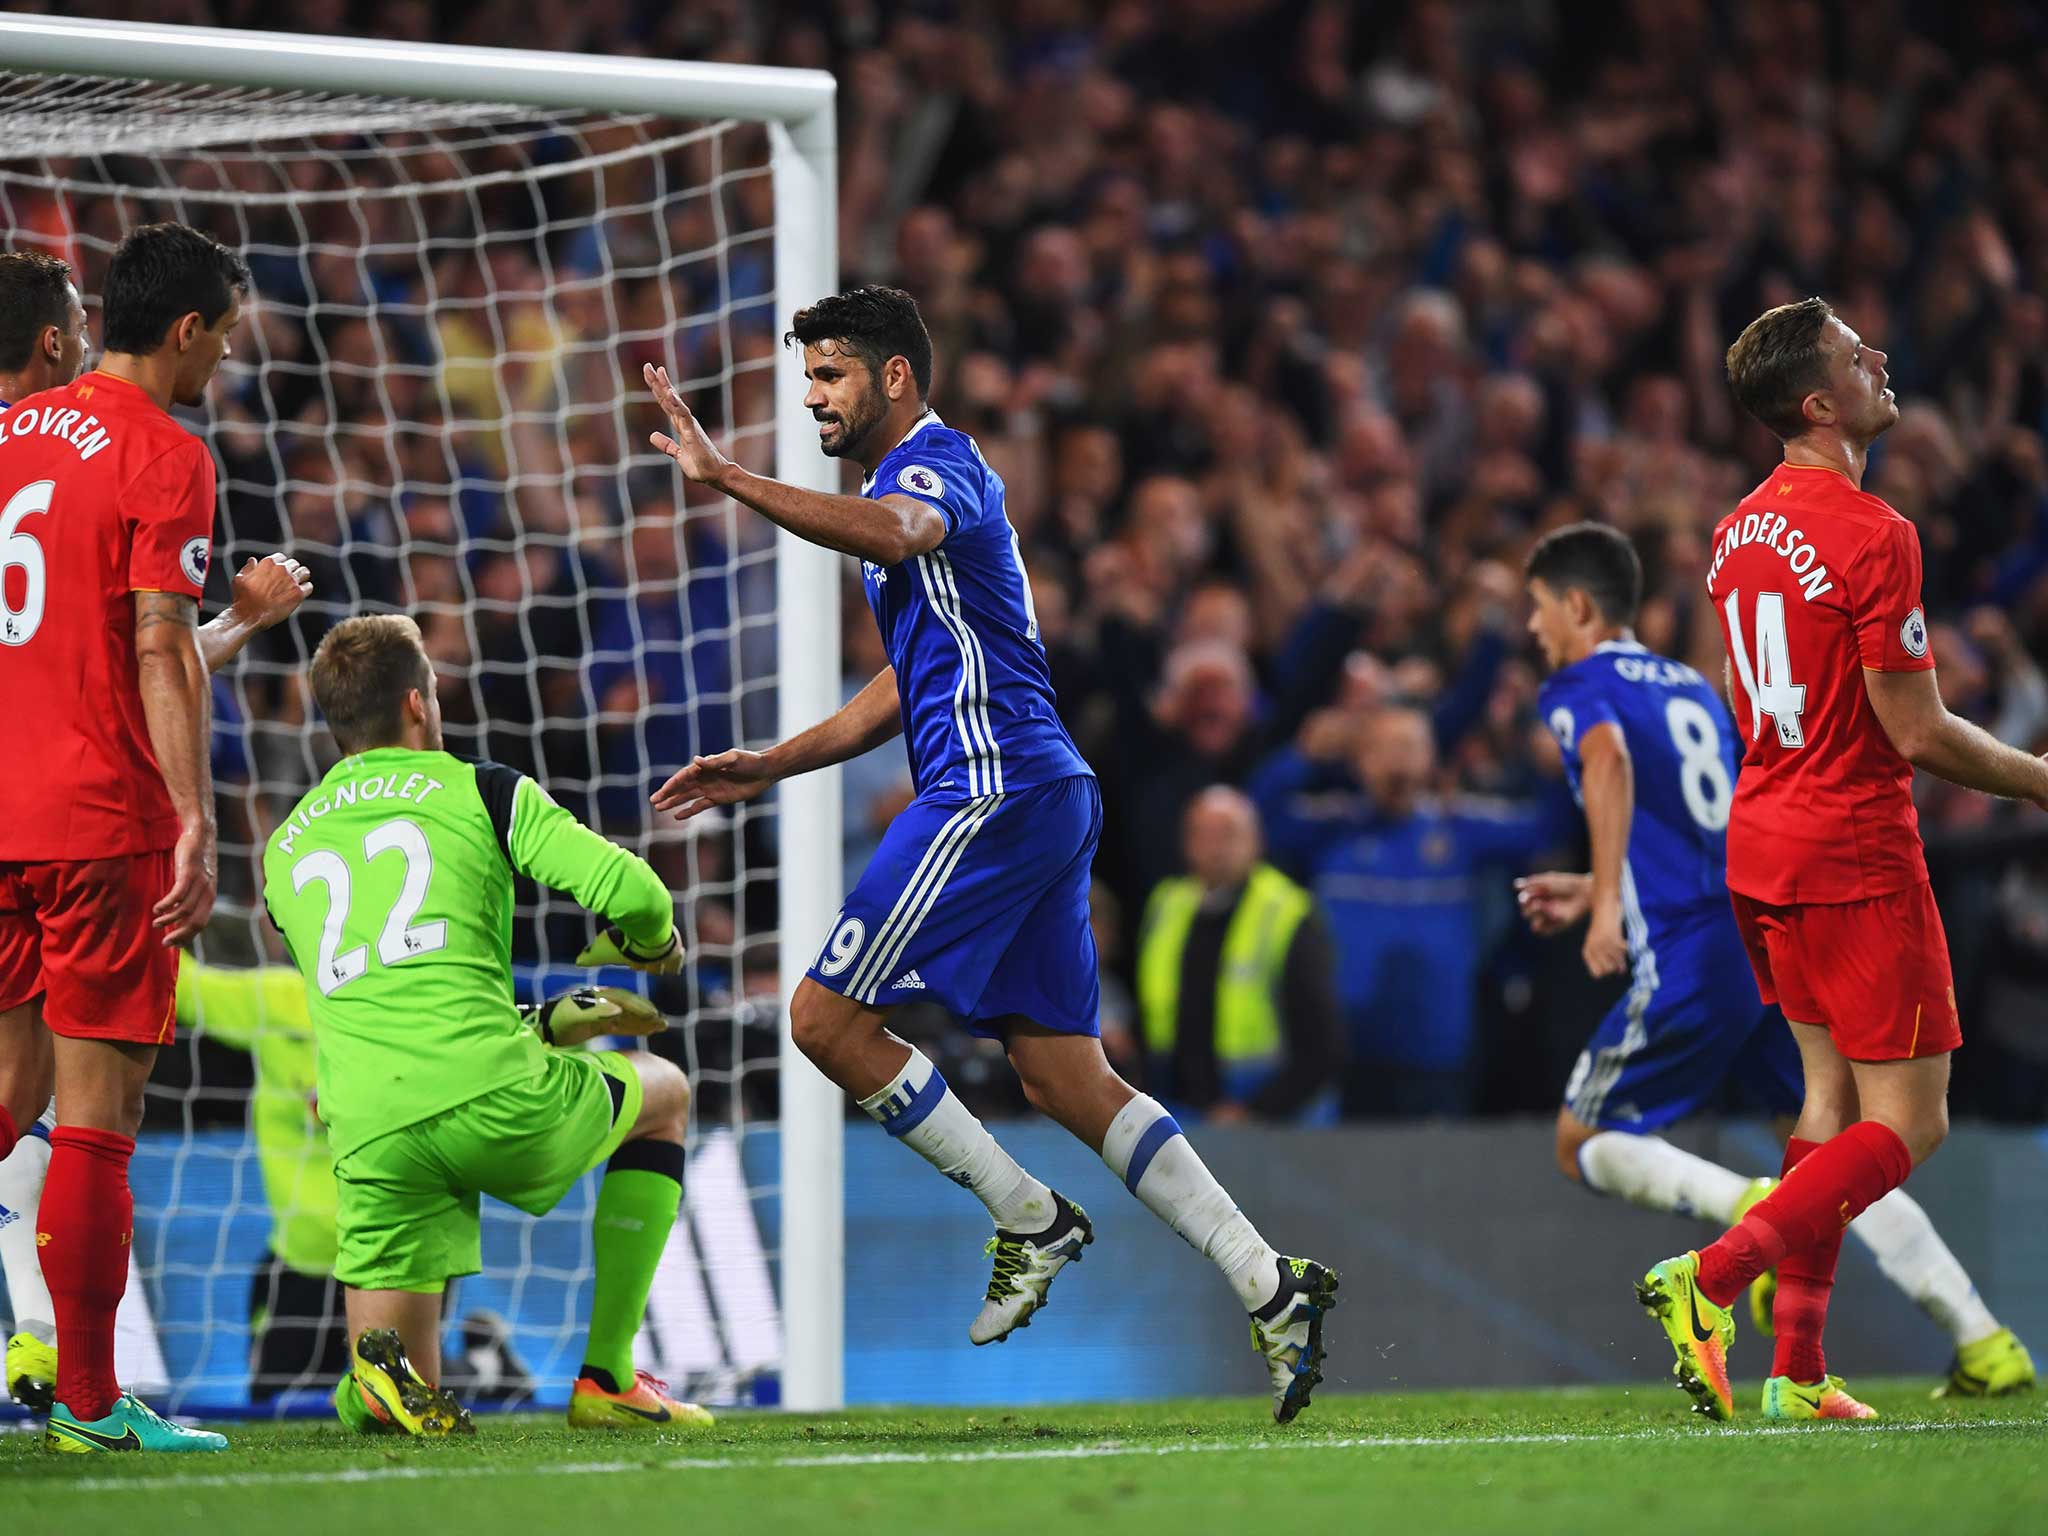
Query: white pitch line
{"x": 1700, "y": 1435}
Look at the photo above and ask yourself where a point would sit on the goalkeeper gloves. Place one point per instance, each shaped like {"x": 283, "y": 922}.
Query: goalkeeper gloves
{"x": 587, "y": 1012}
{"x": 612, "y": 947}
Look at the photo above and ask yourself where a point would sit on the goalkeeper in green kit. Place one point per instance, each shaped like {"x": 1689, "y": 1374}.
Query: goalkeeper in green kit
{"x": 391, "y": 881}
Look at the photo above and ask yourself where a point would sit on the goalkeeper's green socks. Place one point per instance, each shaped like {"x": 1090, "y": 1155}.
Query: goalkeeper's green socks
{"x": 636, "y": 1207}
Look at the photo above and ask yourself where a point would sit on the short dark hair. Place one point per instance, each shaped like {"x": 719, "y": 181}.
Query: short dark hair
{"x": 159, "y": 274}
{"x": 1776, "y": 363}
{"x": 32, "y": 299}
{"x": 875, "y": 324}
{"x": 362, "y": 672}
{"x": 1598, "y": 560}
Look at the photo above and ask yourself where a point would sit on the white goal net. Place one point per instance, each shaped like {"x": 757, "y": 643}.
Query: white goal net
{"x": 435, "y": 403}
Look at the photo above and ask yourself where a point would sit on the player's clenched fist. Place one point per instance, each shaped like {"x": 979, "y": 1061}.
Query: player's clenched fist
{"x": 269, "y": 590}
{"x": 686, "y": 441}
{"x": 723, "y": 779}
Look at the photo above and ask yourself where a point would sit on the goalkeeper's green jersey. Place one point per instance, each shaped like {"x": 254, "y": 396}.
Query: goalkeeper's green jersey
{"x": 392, "y": 883}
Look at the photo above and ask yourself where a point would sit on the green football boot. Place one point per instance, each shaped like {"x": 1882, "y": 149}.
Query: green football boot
{"x": 130, "y": 1425}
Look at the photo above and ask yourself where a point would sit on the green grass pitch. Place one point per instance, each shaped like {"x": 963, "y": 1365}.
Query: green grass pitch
{"x": 1582, "y": 1461}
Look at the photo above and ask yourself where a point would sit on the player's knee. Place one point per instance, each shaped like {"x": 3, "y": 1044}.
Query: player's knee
{"x": 1568, "y": 1156}
{"x": 814, "y": 1022}
{"x": 1571, "y": 1136}
{"x": 1927, "y": 1131}
{"x": 665, "y": 1099}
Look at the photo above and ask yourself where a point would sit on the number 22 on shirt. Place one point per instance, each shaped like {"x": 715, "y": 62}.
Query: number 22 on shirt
{"x": 401, "y": 938}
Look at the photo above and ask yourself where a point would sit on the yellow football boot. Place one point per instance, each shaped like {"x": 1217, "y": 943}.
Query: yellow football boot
{"x": 1991, "y": 1367}
{"x": 1785, "y": 1398}
{"x": 1700, "y": 1332}
{"x": 646, "y": 1405}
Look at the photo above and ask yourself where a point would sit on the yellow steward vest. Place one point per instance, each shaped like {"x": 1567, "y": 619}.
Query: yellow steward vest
{"x": 1248, "y": 980}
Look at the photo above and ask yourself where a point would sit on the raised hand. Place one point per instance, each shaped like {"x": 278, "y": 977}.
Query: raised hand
{"x": 724, "y": 779}
{"x": 686, "y": 441}
{"x": 269, "y": 590}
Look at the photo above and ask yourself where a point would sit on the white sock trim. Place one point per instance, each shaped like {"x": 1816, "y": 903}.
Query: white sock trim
{"x": 919, "y": 1110}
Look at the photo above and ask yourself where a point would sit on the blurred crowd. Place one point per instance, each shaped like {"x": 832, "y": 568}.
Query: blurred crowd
{"x": 1288, "y": 324}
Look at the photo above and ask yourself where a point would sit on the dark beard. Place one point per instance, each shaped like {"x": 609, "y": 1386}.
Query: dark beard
{"x": 867, "y": 416}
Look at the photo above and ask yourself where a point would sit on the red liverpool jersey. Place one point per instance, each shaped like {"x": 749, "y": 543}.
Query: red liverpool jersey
{"x": 102, "y": 495}
{"x": 1814, "y": 582}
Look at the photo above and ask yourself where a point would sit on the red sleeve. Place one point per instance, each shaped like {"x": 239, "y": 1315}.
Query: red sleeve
{"x": 170, "y": 508}
{"x": 1891, "y": 626}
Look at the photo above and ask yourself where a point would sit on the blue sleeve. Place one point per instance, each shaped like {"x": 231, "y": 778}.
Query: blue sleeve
{"x": 941, "y": 469}
{"x": 1571, "y": 704}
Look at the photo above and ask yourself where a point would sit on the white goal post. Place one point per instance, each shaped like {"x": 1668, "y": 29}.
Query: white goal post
{"x": 796, "y": 107}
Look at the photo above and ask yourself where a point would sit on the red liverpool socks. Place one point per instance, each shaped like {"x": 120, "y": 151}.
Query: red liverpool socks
{"x": 84, "y": 1225}
{"x": 1806, "y": 1279}
{"x": 1836, "y": 1183}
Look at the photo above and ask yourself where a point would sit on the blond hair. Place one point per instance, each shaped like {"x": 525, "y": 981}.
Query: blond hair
{"x": 362, "y": 673}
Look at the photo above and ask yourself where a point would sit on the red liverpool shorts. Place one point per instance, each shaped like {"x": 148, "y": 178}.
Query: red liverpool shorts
{"x": 1875, "y": 972}
{"x": 79, "y": 934}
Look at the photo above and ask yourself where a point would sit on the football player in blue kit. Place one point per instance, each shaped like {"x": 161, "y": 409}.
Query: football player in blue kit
{"x": 978, "y": 896}
{"x": 1650, "y": 753}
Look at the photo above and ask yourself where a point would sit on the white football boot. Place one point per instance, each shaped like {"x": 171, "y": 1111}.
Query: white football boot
{"x": 1288, "y": 1331}
{"x": 1024, "y": 1267}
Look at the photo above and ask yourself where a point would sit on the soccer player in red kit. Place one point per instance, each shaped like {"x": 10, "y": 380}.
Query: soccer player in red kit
{"x": 107, "y": 843}
{"x": 42, "y": 346}
{"x": 1831, "y": 677}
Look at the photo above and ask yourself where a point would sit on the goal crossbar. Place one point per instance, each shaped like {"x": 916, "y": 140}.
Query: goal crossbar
{"x": 797, "y": 108}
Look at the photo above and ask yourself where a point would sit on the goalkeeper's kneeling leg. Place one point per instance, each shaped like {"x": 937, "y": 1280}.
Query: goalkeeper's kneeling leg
{"x": 664, "y": 1099}
{"x": 636, "y": 1208}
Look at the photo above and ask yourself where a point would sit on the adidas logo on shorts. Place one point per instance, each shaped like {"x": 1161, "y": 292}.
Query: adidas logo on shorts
{"x": 909, "y": 981}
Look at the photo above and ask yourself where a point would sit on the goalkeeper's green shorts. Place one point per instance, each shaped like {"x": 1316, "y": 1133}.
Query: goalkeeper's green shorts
{"x": 408, "y": 1212}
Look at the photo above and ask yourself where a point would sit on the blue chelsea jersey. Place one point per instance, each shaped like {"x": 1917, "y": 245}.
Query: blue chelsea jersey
{"x": 960, "y": 629}
{"x": 1681, "y": 744}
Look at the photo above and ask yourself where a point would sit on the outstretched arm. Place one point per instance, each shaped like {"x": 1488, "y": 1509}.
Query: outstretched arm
{"x": 542, "y": 840}
{"x": 266, "y": 592}
{"x": 863, "y": 723}
{"x": 886, "y": 531}
{"x": 1909, "y": 707}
